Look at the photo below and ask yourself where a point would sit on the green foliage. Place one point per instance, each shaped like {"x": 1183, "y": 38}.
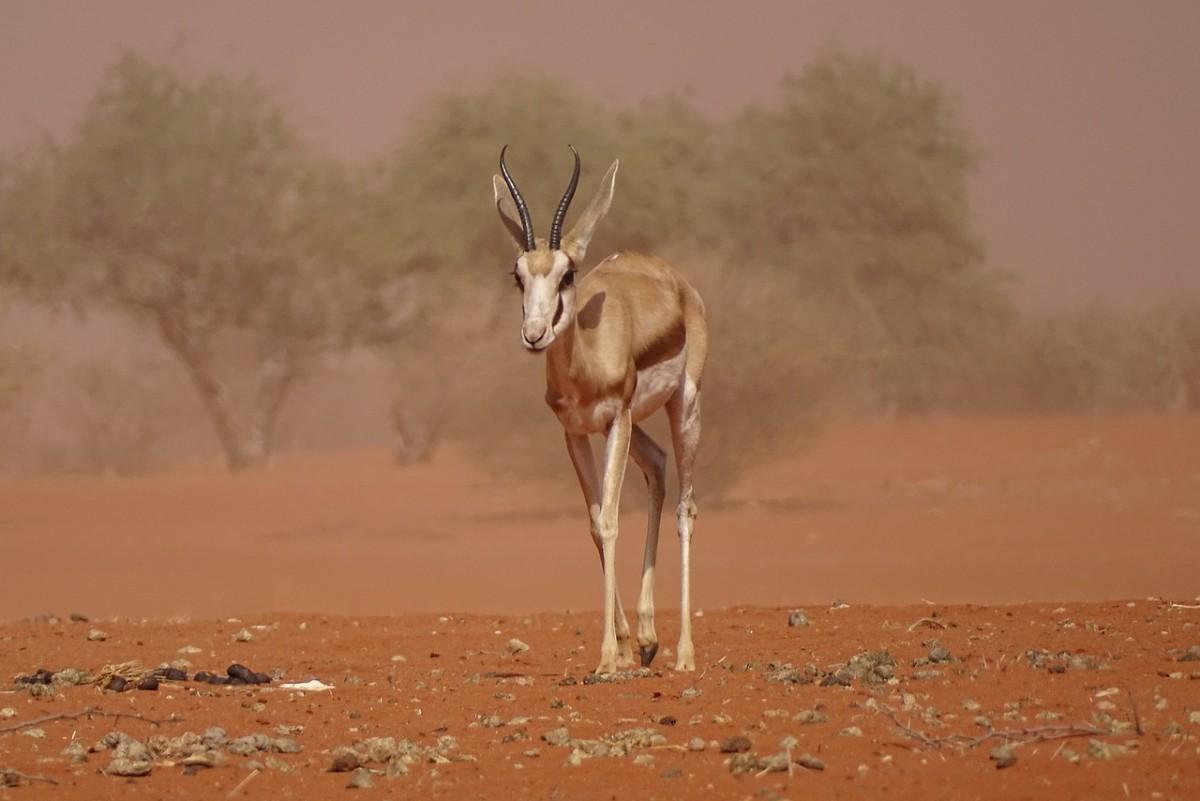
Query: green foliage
{"x": 189, "y": 201}
{"x": 851, "y": 187}
{"x": 434, "y": 192}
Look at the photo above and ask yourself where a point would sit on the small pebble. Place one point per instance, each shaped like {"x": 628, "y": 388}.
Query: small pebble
{"x": 735, "y": 745}
{"x": 809, "y": 761}
{"x": 516, "y": 646}
{"x": 1004, "y": 757}
{"x": 345, "y": 760}
{"x": 96, "y": 635}
{"x": 129, "y": 767}
{"x": 361, "y": 780}
{"x": 797, "y": 618}
{"x": 243, "y": 636}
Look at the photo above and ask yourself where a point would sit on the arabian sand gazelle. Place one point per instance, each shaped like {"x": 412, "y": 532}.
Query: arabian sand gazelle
{"x": 621, "y": 342}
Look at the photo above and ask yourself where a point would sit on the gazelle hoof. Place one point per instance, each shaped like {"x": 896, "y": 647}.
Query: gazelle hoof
{"x": 648, "y": 653}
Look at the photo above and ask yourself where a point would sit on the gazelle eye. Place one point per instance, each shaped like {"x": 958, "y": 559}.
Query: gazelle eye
{"x": 567, "y": 280}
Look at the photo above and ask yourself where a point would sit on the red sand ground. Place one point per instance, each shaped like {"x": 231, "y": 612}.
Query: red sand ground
{"x": 996, "y": 512}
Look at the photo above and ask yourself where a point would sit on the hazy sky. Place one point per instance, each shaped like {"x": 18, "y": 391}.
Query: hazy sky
{"x": 1089, "y": 110}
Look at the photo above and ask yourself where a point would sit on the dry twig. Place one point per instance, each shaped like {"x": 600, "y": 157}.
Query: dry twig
{"x": 89, "y": 712}
{"x": 1007, "y": 735}
{"x": 927, "y": 621}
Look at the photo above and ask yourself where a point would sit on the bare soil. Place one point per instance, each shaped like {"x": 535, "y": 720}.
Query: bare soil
{"x": 1055, "y": 561}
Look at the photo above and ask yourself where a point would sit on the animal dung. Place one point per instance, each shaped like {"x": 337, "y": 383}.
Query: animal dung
{"x": 236, "y": 675}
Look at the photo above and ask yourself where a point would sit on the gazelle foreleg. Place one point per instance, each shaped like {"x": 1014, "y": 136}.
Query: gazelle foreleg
{"x": 683, "y": 410}
{"x": 652, "y": 460}
{"x": 580, "y": 450}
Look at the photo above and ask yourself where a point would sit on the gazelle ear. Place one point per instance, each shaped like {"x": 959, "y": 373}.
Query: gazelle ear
{"x": 575, "y": 244}
{"x": 508, "y": 212}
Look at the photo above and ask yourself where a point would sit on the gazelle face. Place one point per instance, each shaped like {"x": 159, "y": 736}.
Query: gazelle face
{"x": 545, "y": 270}
{"x": 546, "y": 279}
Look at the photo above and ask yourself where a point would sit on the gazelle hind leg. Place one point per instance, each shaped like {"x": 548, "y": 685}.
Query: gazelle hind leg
{"x": 580, "y": 450}
{"x": 653, "y": 462}
{"x": 683, "y": 409}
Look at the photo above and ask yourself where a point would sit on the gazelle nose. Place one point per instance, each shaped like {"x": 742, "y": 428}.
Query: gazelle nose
{"x": 534, "y": 339}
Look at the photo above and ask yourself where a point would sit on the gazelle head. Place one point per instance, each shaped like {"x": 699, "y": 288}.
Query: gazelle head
{"x": 545, "y": 268}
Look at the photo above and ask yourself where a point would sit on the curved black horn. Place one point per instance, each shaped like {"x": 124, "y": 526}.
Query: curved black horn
{"x": 564, "y": 204}
{"x": 522, "y": 209}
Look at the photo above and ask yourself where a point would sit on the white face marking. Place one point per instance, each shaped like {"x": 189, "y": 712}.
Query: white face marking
{"x": 547, "y": 311}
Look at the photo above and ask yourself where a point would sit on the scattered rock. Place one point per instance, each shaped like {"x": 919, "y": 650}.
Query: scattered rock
{"x": 696, "y": 744}
{"x": 646, "y": 760}
{"x": 786, "y": 674}
{"x": 797, "y": 618}
{"x": 243, "y": 636}
{"x": 743, "y": 763}
{"x": 77, "y": 751}
{"x": 515, "y": 646}
{"x": 809, "y": 761}
{"x": 938, "y": 653}
{"x": 72, "y": 676}
{"x": 690, "y": 692}
{"x": 7, "y": 712}
{"x": 1192, "y": 654}
{"x": 123, "y": 766}
{"x": 735, "y": 745}
{"x": 96, "y": 635}
{"x": 851, "y": 731}
{"x": 672, "y": 773}
{"x": 345, "y": 760}
{"x": 558, "y": 737}
{"x": 809, "y": 716}
{"x": 1003, "y": 756}
{"x": 361, "y": 780}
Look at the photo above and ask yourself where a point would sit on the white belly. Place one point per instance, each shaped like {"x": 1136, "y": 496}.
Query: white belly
{"x": 656, "y": 384}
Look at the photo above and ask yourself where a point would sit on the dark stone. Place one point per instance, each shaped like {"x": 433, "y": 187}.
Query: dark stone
{"x": 117, "y": 684}
{"x": 39, "y": 676}
{"x": 242, "y": 672}
{"x": 667, "y": 720}
{"x": 148, "y": 683}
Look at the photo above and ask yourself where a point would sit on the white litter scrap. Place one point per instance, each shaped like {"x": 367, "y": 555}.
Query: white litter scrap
{"x": 310, "y": 686}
